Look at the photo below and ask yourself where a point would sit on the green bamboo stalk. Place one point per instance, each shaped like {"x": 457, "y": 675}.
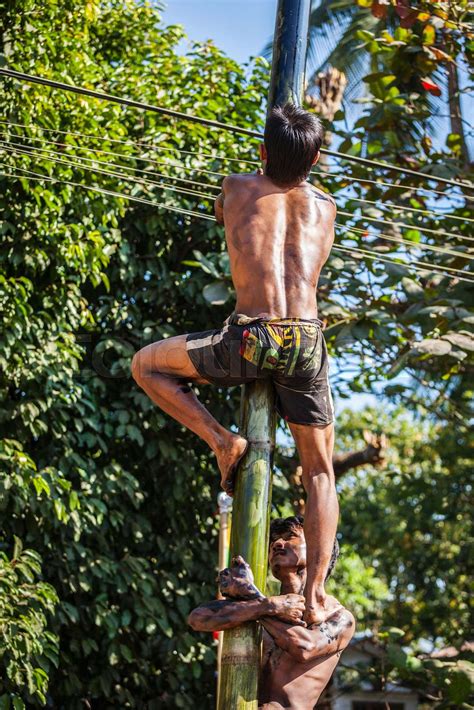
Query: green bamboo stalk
{"x": 241, "y": 651}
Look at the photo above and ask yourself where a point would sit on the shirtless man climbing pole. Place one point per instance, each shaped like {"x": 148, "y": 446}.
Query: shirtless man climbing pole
{"x": 279, "y": 232}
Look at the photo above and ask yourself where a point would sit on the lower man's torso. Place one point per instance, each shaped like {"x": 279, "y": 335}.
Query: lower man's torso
{"x": 278, "y": 240}
{"x": 291, "y": 685}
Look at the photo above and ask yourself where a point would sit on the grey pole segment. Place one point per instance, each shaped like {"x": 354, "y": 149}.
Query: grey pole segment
{"x": 290, "y": 43}
{"x": 241, "y": 650}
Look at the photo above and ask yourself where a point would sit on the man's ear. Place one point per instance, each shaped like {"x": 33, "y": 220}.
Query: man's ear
{"x": 262, "y": 151}
{"x": 316, "y": 158}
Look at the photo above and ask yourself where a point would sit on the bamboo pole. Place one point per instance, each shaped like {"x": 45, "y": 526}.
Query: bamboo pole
{"x": 241, "y": 650}
{"x": 240, "y": 656}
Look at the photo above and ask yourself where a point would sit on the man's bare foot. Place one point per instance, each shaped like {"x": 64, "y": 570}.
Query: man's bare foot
{"x": 317, "y": 607}
{"x": 228, "y": 459}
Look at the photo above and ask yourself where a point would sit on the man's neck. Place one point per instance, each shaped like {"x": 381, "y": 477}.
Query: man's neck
{"x": 293, "y": 583}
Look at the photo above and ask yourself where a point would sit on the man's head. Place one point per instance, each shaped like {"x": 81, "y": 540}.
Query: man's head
{"x": 287, "y": 553}
{"x": 292, "y": 141}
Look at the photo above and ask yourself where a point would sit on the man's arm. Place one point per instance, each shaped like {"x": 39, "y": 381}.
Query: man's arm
{"x": 224, "y": 614}
{"x": 219, "y": 208}
{"x": 321, "y": 640}
{"x": 219, "y": 201}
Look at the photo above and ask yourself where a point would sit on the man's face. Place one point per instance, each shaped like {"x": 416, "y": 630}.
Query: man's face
{"x": 287, "y": 552}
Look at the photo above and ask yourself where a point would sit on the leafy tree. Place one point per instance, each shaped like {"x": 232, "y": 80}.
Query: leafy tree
{"x": 28, "y": 650}
{"x": 419, "y": 500}
{"x": 116, "y": 498}
{"x": 440, "y": 682}
{"x": 423, "y": 46}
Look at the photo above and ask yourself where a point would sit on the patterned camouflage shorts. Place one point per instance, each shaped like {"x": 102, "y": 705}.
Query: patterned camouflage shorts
{"x": 290, "y": 351}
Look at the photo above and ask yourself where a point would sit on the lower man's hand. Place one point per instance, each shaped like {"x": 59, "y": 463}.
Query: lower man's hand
{"x": 288, "y": 608}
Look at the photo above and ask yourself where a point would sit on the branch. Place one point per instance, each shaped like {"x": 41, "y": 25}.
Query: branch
{"x": 374, "y": 453}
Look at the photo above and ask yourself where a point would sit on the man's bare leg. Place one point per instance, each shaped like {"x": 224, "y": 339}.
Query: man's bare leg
{"x": 162, "y": 370}
{"x": 315, "y": 447}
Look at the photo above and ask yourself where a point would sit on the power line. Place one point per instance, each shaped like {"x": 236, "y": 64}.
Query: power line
{"x": 408, "y": 243}
{"x": 193, "y": 182}
{"x": 113, "y": 193}
{"x": 20, "y": 76}
{"x": 151, "y": 146}
{"x": 14, "y": 149}
{"x": 137, "y": 144}
{"x": 108, "y": 163}
{"x": 437, "y": 232}
{"x": 185, "y": 168}
{"x": 136, "y": 180}
{"x": 407, "y": 208}
{"x": 427, "y": 268}
{"x": 29, "y": 151}
{"x": 397, "y": 186}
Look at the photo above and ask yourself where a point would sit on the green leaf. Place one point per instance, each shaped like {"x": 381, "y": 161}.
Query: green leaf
{"x": 431, "y": 346}
{"x": 17, "y": 548}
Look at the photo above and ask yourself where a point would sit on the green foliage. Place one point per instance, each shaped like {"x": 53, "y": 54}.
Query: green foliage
{"x": 444, "y": 683}
{"x": 28, "y": 650}
{"x": 117, "y": 499}
{"x": 389, "y": 318}
{"x": 358, "y": 587}
{"x": 420, "y": 502}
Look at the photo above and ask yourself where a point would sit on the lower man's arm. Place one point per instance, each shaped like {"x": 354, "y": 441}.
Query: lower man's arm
{"x": 219, "y": 208}
{"x": 307, "y": 644}
{"x": 224, "y": 614}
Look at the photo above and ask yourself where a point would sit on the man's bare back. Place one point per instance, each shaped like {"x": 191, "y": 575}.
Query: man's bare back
{"x": 278, "y": 241}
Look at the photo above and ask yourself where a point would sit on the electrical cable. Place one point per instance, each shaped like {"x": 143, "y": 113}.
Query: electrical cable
{"x": 406, "y": 208}
{"x": 21, "y": 76}
{"x": 136, "y": 180}
{"x": 408, "y": 242}
{"x": 38, "y": 176}
{"x": 193, "y": 182}
{"x": 398, "y": 186}
{"x": 150, "y": 160}
{"x": 146, "y": 172}
{"x": 431, "y": 268}
{"x": 426, "y": 268}
{"x": 149, "y": 146}
{"x": 166, "y": 186}
{"x": 138, "y": 144}
{"x": 437, "y": 232}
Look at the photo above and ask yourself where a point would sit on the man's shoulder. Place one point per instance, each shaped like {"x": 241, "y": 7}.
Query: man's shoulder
{"x": 322, "y": 195}
{"x": 240, "y": 180}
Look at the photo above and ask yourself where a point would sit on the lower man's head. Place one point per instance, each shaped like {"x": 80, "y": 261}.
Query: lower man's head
{"x": 287, "y": 552}
{"x": 292, "y": 141}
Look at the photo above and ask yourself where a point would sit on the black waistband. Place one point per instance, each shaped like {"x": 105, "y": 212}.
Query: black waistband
{"x": 242, "y": 319}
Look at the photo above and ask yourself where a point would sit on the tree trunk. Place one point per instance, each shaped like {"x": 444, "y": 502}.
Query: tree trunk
{"x": 331, "y": 85}
{"x": 455, "y": 114}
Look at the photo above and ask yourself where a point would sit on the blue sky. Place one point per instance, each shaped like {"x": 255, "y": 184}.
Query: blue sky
{"x": 240, "y": 27}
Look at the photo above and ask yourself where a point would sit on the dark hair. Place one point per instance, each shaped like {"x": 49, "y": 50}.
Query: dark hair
{"x": 280, "y": 526}
{"x": 292, "y": 139}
